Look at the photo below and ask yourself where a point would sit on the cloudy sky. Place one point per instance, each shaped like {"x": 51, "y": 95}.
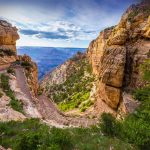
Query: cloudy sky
{"x": 61, "y": 23}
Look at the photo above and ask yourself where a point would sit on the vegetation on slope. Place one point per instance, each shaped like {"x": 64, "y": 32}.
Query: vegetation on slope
{"x": 144, "y": 10}
{"x": 14, "y": 103}
{"x": 32, "y": 135}
{"x": 75, "y": 91}
{"x": 130, "y": 134}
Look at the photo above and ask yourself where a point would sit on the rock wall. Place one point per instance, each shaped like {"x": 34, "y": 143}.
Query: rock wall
{"x": 118, "y": 52}
{"x": 8, "y": 37}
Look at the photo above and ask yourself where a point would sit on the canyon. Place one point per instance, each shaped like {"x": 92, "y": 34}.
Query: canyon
{"x": 115, "y": 57}
{"x": 107, "y": 73}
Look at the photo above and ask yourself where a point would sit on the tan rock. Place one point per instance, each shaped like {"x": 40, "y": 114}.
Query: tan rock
{"x": 113, "y": 96}
{"x": 112, "y": 66}
{"x": 8, "y": 37}
{"x": 110, "y": 95}
{"x": 117, "y": 53}
{"x": 118, "y": 36}
{"x": 146, "y": 29}
{"x": 8, "y": 34}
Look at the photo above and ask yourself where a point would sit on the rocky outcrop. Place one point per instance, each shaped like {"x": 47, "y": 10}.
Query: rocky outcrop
{"x": 118, "y": 52}
{"x": 31, "y": 72}
{"x": 8, "y": 37}
{"x": 127, "y": 105}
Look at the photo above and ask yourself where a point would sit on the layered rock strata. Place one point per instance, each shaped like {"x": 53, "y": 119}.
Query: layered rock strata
{"x": 118, "y": 52}
{"x": 8, "y": 37}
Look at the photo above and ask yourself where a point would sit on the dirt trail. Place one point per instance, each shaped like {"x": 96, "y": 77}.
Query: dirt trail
{"x": 47, "y": 108}
{"x": 21, "y": 79}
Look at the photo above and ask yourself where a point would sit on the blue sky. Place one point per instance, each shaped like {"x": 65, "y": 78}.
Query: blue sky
{"x": 61, "y": 23}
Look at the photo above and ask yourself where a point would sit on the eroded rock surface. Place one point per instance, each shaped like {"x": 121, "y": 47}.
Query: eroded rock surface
{"x": 118, "y": 52}
{"x": 8, "y": 37}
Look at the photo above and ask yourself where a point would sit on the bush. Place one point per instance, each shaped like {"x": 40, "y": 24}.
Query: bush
{"x": 11, "y": 71}
{"x": 142, "y": 94}
{"x": 109, "y": 126}
{"x": 40, "y": 91}
{"x": 1, "y": 94}
{"x": 145, "y": 68}
{"x": 29, "y": 141}
{"x": 61, "y": 138}
{"x": 10, "y": 52}
{"x": 4, "y": 82}
{"x": 27, "y": 65}
{"x": 32, "y": 135}
{"x": 135, "y": 128}
{"x": 86, "y": 105}
{"x": 7, "y": 52}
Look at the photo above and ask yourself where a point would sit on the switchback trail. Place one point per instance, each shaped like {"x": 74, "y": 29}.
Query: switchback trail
{"x": 47, "y": 108}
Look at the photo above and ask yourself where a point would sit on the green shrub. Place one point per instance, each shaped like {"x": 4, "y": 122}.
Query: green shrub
{"x": 7, "y": 52}
{"x": 145, "y": 68}
{"x": 32, "y": 135}
{"x": 29, "y": 141}
{"x": 142, "y": 94}
{"x": 61, "y": 138}
{"x": 132, "y": 15}
{"x": 10, "y": 52}
{"x": 11, "y": 71}
{"x": 14, "y": 103}
{"x": 27, "y": 65}
{"x": 135, "y": 128}
{"x": 109, "y": 126}
{"x": 40, "y": 91}
{"x": 4, "y": 82}
{"x": 86, "y": 105}
{"x": 1, "y": 94}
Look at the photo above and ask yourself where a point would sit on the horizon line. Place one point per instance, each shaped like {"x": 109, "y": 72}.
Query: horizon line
{"x": 52, "y": 47}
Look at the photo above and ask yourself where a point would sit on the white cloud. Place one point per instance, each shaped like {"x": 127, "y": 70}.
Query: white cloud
{"x": 80, "y": 21}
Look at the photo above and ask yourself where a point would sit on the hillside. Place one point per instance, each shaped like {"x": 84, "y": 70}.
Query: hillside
{"x": 115, "y": 57}
{"x": 20, "y": 95}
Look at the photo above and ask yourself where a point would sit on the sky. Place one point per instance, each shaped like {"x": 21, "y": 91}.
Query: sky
{"x": 61, "y": 23}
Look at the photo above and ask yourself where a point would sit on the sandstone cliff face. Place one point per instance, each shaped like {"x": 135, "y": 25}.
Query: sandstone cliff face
{"x": 118, "y": 52}
{"x": 8, "y": 37}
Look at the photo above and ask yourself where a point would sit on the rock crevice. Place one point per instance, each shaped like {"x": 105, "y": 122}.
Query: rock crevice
{"x": 118, "y": 52}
